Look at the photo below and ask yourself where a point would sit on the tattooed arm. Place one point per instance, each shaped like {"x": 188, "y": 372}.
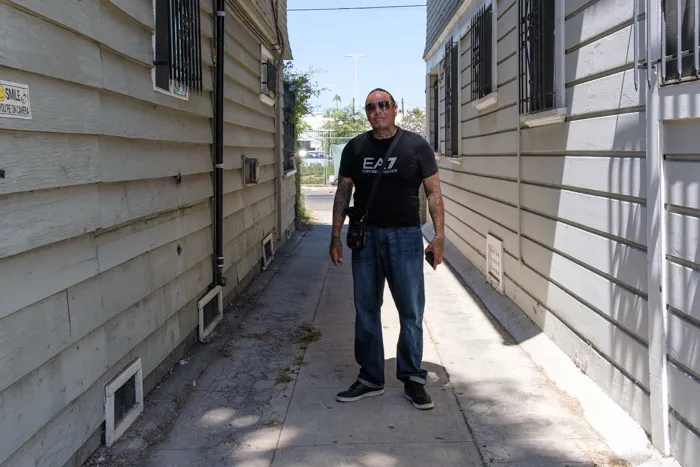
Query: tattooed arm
{"x": 437, "y": 213}
{"x": 341, "y": 203}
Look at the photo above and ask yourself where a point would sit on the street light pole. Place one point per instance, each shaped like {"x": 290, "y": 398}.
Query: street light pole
{"x": 354, "y": 59}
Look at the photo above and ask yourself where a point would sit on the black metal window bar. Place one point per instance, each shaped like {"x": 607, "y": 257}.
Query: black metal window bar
{"x": 680, "y": 40}
{"x": 436, "y": 114}
{"x": 451, "y": 98}
{"x": 271, "y": 76}
{"x": 536, "y": 59}
{"x": 482, "y": 49}
{"x": 178, "y": 46}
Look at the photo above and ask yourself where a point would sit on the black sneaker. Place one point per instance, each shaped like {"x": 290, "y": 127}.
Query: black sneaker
{"x": 358, "y": 391}
{"x": 415, "y": 392}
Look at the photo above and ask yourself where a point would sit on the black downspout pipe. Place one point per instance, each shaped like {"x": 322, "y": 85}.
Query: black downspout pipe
{"x": 219, "y": 278}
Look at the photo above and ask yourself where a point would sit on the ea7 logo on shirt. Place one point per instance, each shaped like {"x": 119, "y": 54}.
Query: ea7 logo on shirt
{"x": 371, "y": 165}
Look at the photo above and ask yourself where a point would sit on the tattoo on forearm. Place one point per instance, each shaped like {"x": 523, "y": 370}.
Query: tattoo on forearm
{"x": 341, "y": 203}
{"x": 435, "y": 205}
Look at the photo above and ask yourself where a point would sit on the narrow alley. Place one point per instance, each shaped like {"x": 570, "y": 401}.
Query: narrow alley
{"x": 262, "y": 393}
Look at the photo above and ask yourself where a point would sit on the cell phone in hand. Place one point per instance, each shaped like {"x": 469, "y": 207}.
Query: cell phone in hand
{"x": 430, "y": 258}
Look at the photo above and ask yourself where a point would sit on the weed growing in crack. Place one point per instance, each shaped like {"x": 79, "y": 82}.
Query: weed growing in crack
{"x": 284, "y": 377}
{"x": 299, "y": 361}
{"x": 226, "y": 351}
{"x": 307, "y": 335}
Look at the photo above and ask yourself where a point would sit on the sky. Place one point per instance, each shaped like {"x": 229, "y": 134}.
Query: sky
{"x": 392, "y": 42}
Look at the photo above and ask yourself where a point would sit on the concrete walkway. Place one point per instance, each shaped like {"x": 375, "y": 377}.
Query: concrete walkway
{"x": 263, "y": 393}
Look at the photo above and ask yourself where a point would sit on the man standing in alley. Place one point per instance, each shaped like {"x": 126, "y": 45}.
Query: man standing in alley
{"x": 387, "y": 166}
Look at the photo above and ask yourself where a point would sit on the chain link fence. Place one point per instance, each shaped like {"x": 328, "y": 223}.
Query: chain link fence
{"x": 319, "y": 153}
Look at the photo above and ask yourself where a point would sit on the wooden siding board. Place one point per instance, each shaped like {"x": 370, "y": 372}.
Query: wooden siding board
{"x": 507, "y": 70}
{"x": 82, "y": 16}
{"x": 130, "y": 79}
{"x": 139, "y": 10}
{"x": 601, "y": 56}
{"x": 685, "y": 445}
{"x": 32, "y": 336}
{"x": 619, "y": 218}
{"x": 606, "y": 174}
{"x": 234, "y": 91}
{"x": 127, "y": 201}
{"x": 57, "y": 106}
{"x": 44, "y": 160}
{"x": 121, "y": 245}
{"x": 234, "y": 161}
{"x": 616, "y": 384}
{"x": 620, "y": 261}
{"x": 626, "y": 132}
{"x": 598, "y": 18}
{"x": 234, "y": 71}
{"x": 499, "y": 143}
{"x": 684, "y": 342}
{"x": 480, "y": 224}
{"x": 608, "y": 93}
{"x": 236, "y": 114}
{"x": 501, "y": 120}
{"x": 629, "y": 353}
{"x": 37, "y": 274}
{"x": 502, "y": 190}
{"x": 250, "y": 62}
{"x": 235, "y": 135}
{"x": 684, "y": 289}
{"x": 683, "y": 187}
{"x": 49, "y": 389}
{"x": 496, "y": 166}
{"x": 681, "y": 137}
{"x": 683, "y": 393}
{"x": 502, "y": 213}
{"x": 124, "y": 160}
{"x": 55, "y": 52}
{"x": 34, "y": 219}
{"x": 683, "y": 237}
{"x": 129, "y": 118}
{"x": 121, "y": 33}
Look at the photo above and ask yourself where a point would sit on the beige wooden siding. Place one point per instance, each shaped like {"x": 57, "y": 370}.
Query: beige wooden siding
{"x": 105, "y": 211}
{"x": 683, "y": 253}
{"x": 582, "y": 277}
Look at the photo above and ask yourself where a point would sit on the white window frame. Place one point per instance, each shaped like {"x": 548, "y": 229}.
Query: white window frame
{"x": 491, "y": 99}
{"x": 559, "y": 113}
{"x": 173, "y": 91}
{"x": 264, "y": 95}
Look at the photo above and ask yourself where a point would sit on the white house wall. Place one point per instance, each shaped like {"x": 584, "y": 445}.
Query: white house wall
{"x": 575, "y": 251}
{"x": 103, "y": 254}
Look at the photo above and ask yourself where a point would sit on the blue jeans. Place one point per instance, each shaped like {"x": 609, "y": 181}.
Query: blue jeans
{"x": 393, "y": 254}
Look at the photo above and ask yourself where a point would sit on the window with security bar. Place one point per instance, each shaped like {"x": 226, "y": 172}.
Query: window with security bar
{"x": 270, "y": 77}
{"x": 436, "y": 114}
{"x": 178, "y": 49}
{"x": 482, "y": 53}
{"x": 537, "y": 55}
{"x": 451, "y": 78}
{"x": 681, "y": 39}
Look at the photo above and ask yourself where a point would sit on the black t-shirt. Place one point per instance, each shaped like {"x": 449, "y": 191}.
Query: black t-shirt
{"x": 396, "y": 201}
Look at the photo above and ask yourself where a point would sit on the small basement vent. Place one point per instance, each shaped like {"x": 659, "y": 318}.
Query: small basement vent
{"x": 494, "y": 262}
{"x": 123, "y": 401}
{"x": 268, "y": 246}
{"x": 211, "y": 311}
{"x": 250, "y": 170}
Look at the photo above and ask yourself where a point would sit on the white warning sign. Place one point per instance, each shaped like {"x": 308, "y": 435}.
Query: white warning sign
{"x": 14, "y": 100}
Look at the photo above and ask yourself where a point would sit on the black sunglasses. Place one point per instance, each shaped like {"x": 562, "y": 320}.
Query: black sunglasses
{"x": 381, "y": 104}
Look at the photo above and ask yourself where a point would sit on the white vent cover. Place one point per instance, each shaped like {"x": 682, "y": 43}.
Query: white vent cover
{"x": 494, "y": 262}
{"x": 211, "y": 311}
{"x": 123, "y": 401}
{"x": 268, "y": 247}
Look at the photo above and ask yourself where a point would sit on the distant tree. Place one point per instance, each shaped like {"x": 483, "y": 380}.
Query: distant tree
{"x": 304, "y": 88}
{"x": 414, "y": 120}
{"x": 346, "y": 122}
{"x": 337, "y": 100}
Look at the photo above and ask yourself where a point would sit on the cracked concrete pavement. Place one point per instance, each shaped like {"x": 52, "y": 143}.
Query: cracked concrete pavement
{"x": 262, "y": 392}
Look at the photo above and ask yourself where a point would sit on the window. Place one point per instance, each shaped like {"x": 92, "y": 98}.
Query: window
{"x": 290, "y": 136}
{"x": 177, "y": 47}
{"x": 482, "y": 53}
{"x": 679, "y": 26}
{"x": 436, "y": 113}
{"x": 537, "y": 55}
{"x": 451, "y": 76}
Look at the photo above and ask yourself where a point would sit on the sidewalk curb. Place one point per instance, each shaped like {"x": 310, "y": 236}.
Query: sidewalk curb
{"x": 618, "y": 430}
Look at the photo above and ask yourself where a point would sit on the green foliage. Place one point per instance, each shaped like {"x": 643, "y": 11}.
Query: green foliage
{"x": 414, "y": 120}
{"x": 304, "y": 88}
{"x": 344, "y": 121}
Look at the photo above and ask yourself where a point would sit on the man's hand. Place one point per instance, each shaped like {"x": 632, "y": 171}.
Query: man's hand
{"x": 437, "y": 246}
{"x": 336, "y": 251}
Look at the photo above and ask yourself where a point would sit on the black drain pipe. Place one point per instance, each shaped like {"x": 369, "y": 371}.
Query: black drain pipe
{"x": 219, "y": 278}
